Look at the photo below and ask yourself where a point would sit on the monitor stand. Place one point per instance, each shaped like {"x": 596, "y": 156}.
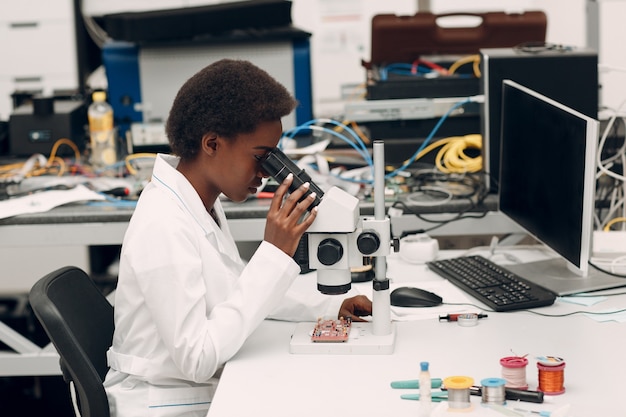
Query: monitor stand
{"x": 554, "y": 275}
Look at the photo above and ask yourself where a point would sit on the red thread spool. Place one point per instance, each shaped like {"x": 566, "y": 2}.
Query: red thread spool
{"x": 551, "y": 375}
{"x": 514, "y": 371}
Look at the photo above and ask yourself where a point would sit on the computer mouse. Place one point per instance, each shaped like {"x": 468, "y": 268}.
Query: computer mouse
{"x": 414, "y": 297}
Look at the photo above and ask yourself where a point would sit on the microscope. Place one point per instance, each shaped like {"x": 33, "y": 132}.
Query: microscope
{"x": 338, "y": 240}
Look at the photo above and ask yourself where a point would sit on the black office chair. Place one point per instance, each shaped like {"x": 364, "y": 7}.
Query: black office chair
{"x": 78, "y": 319}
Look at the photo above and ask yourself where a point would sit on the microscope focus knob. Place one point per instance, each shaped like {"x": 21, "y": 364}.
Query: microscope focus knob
{"x": 329, "y": 251}
{"x": 368, "y": 243}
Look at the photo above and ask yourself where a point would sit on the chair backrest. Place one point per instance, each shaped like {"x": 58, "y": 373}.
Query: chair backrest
{"x": 78, "y": 319}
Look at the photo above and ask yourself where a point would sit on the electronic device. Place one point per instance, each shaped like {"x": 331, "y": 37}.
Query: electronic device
{"x": 414, "y": 297}
{"x": 4, "y": 137}
{"x": 338, "y": 240}
{"x": 35, "y": 127}
{"x": 495, "y": 286}
{"x": 400, "y": 69}
{"x": 197, "y": 21}
{"x": 565, "y": 74}
{"x": 418, "y": 248}
{"x": 331, "y": 330}
{"x": 547, "y": 187}
{"x": 143, "y": 79}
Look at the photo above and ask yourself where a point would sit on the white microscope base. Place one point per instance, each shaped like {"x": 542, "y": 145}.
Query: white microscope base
{"x": 360, "y": 342}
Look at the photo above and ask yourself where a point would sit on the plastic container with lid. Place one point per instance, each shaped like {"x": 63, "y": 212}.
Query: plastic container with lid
{"x": 102, "y": 133}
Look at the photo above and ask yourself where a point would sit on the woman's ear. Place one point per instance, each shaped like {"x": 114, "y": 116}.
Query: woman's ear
{"x": 209, "y": 144}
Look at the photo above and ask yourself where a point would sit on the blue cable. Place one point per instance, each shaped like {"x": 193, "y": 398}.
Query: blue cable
{"x": 404, "y": 69}
{"x": 363, "y": 150}
{"x": 114, "y": 166}
{"x": 429, "y": 138}
{"x": 408, "y": 69}
{"x": 359, "y": 146}
{"x": 356, "y": 137}
{"x": 364, "y": 155}
{"x": 112, "y": 202}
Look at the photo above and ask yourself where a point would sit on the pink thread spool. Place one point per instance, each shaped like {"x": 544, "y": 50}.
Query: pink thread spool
{"x": 514, "y": 371}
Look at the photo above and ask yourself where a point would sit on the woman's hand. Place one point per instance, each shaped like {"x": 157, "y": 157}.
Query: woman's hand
{"x": 354, "y": 307}
{"x": 285, "y": 223}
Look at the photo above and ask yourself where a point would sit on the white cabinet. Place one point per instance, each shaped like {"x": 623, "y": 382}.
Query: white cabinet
{"x": 37, "y": 48}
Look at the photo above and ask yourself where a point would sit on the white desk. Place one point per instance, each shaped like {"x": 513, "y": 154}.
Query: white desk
{"x": 264, "y": 379}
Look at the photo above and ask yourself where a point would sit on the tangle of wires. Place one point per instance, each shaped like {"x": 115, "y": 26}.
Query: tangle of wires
{"x": 610, "y": 213}
{"x": 610, "y": 201}
{"x": 456, "y": 177}
{"x": 539, "y": 47}
{"x": 452, "y": 157}
{"x": 38, "y": 164}
{"x": 429, "y": 189}
{"x": 58, "y": 164}
{"x": 427, "y": 69}
{"x": 459, "y": 154}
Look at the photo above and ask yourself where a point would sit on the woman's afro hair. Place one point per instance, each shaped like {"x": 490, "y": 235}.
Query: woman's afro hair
{"x": 228, "y": 97}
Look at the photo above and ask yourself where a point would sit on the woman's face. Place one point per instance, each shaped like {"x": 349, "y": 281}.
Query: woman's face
{"x": 240, "y": 171}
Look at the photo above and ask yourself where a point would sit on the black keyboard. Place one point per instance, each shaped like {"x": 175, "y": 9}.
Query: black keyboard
{"x": 495, "y": 286}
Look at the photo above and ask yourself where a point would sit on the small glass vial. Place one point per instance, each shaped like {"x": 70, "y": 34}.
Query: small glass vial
{"x": 425, "y": 394}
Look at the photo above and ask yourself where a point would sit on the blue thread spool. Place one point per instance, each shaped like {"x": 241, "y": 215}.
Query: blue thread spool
{"x": 493, "y": 391}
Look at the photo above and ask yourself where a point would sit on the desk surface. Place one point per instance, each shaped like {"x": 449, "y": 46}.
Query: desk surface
{"x": 105, "y": 225}
{"x": 265, "y": 379}
{"x": 252, "y": 209}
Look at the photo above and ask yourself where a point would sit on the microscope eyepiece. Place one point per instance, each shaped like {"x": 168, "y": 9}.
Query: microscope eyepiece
{"x": 278, "y": 166}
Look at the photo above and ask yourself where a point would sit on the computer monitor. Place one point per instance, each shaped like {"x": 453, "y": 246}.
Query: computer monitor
{"x": 547, "y": 187}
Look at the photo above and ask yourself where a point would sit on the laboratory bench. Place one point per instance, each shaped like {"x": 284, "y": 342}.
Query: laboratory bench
{"x": 80, "y": 224}
{"x": 66, "y": 233}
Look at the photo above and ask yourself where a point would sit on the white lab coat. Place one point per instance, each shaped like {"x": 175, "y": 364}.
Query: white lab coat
{"x": 186, "y": 302}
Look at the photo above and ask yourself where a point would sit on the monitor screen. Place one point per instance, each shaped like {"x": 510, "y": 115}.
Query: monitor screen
{"x": 547, "y": 186}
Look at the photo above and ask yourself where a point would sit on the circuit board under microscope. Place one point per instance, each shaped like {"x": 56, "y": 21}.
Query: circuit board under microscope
{"x": 331, "y": 330}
